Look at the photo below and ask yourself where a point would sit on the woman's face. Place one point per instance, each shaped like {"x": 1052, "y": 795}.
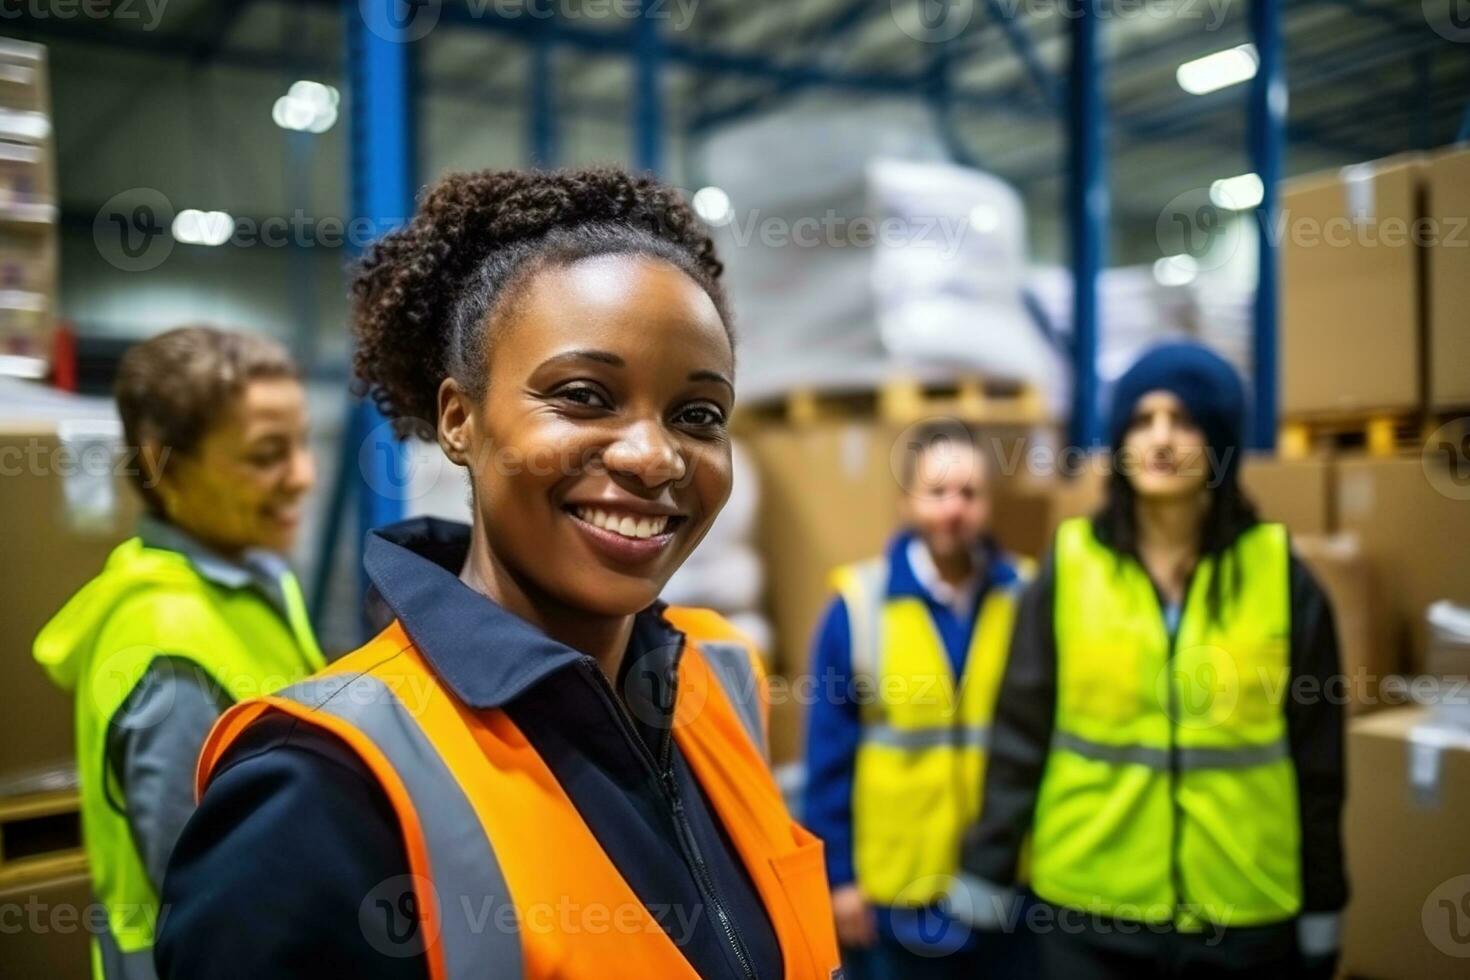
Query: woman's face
{"x": 600, "y": 454}
{"x": 244, "y": 484}
{"x": 1163, "y": 450}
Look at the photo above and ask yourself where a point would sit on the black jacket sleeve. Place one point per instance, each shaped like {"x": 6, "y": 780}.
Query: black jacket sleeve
{"x": 1021, "y": 730}
{"x": 1314, "y": 722}
{"x": 292, "y": 866}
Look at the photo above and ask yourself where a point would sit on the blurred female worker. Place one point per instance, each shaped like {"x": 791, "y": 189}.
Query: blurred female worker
{"x": 537, "y": 769}
{"x": 196, "y": 612}
{"x": 1161, "y": 732}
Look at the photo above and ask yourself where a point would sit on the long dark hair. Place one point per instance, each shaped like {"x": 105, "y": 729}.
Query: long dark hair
{"x": 1230, "y": 513}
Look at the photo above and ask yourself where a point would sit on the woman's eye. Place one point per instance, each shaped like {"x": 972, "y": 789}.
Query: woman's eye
{"x": 583, "y": 395}
{"x": 702, "y": 416}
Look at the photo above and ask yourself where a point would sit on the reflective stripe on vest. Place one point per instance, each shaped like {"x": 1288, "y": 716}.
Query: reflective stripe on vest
{"x": 461, "y": 780}
{"x": 732, "y": 667}
{"x": 1170, "y": 794}
{"x": 920, "y": 763}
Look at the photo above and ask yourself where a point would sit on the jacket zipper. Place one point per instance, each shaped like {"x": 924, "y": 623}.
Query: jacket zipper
{"x": 663, "y": 771}
{"x": 1173, "y": 712}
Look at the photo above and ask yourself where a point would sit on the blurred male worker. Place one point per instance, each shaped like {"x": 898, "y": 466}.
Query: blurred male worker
{"x": 907, "y": 662}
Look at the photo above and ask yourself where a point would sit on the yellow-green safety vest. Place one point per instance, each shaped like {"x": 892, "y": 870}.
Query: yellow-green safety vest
{"x": 920, "y": 764}
{"x": 146, "y": 603}
{"x": 1169, "y": 795}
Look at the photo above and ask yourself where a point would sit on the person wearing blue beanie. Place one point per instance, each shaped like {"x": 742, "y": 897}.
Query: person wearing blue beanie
{"x": 1161, "y": 736}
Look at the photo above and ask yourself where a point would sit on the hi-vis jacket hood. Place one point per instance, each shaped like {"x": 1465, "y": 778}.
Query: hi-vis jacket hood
{"x": 65, "y": 644}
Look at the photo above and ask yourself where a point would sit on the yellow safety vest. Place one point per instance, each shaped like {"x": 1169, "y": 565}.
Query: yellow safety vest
{"x": 147, "y": 603}
{"x": 920, "y": 764}
{"x": 1169, "y": 795}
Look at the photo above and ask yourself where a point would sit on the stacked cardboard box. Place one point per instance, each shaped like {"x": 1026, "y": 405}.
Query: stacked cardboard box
{"x": 1351, "y": 312}
{"x": 1447, "y": 203}
{"x": 1408, "y": 848}
{"x": 1375, "y": 284}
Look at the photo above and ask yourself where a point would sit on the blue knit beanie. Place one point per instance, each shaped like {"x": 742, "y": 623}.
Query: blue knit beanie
{"x": 1204, "y": 381}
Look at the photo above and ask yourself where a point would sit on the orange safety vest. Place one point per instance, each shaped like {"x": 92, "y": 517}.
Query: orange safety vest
{"x": 487, "y": 827}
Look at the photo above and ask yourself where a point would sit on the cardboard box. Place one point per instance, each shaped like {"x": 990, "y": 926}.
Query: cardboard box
{"x": 48, "y": 928}
{"x": 1351, "y": 315}
{"x": 1408, "y": 848}
{"x": 1365, "y": 652}
{"x": 1447, "y": 204}
{"x": 1296, "y": 492}
{"x": 57, "y": 558}
{"x": 1414, "y": 523}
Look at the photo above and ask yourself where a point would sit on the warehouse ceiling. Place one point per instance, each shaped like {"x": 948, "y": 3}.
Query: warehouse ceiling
{"x": 176, "y": 94}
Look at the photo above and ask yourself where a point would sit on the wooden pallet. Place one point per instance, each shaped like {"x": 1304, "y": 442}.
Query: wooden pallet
{"x": 902, "y": 400}
{"x": 1379, "y": 434}
{"x": 40, "y": 833}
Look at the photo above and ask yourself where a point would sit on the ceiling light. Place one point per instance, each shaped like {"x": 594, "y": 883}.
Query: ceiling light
{"x": 1218, "y": 70}
{"x": 1237, "y": 193}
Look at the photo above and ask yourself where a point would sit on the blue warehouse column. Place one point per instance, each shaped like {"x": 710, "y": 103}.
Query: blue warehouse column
{"x": 1087, "y": 211}
{"x": 648, "y": 110}
{"x": 379, "y": 38}
{"x": 1267, "y": 146}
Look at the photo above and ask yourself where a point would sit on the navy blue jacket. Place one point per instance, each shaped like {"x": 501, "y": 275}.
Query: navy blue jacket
{"x": 293, "y": 864}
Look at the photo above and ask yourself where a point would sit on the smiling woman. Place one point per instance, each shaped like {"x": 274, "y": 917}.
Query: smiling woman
{"x": 535, "y": 737}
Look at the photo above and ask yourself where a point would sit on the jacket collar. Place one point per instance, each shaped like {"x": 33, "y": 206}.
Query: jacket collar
{"x": 1000, "y": 568}
{"x": 485, "y": 654}
{"x": 256, "y": 568}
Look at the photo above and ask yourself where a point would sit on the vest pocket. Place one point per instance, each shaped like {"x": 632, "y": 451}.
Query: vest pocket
{"x": 803, "y": 877}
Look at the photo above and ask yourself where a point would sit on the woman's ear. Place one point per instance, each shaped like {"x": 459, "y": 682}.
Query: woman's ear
{"x": 456, "y": 422}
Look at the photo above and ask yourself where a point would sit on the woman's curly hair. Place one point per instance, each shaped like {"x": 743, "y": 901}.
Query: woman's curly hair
{"x": 424, "y": 295}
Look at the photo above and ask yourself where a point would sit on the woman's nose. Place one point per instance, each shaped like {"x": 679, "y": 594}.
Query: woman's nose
{"x": 645, "y": 451}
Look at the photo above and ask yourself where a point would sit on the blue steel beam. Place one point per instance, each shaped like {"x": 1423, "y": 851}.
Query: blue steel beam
{"x": 1087, "y": 211}
{"x": 382, "y": 174}
{"x": 648, "y": 106}
{"x": 1267, "y": 119}
{"x": 1050, "y": 89}
{"x": 542, "y": 110}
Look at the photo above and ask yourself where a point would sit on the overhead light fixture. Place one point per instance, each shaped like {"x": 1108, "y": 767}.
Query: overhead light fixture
{"x": 1219, "y": 70}
{"x": 194, "y": 227}
{"x": 713, "y": 205}
{"x": 1237, "y": 193}
{"x": 984, "y": 218}
{"x": 307, "y": 107}
{"x": 1175, "y": 270}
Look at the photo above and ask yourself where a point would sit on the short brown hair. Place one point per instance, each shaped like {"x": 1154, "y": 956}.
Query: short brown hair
{"x": 172, "y": 389}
